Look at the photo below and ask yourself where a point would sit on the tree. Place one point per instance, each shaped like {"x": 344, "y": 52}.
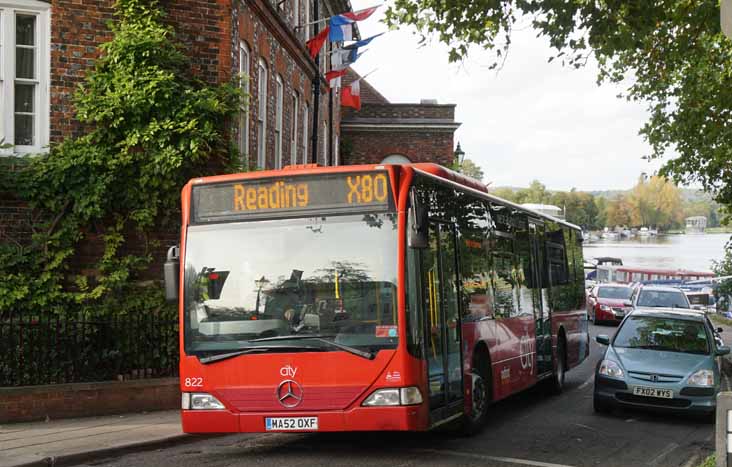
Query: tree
{"x": 619, "y": 212}
{"x": 470, "y": 169}
{"x": 657, "y": 203}
{"x": 677, "y": 60}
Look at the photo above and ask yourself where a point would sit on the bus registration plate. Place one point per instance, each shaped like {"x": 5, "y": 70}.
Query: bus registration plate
{"x": 653, "y": 392}
{"x": 291, "y": 423}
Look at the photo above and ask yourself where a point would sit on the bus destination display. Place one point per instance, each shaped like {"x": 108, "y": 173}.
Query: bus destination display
{"x": 290, "y": 196}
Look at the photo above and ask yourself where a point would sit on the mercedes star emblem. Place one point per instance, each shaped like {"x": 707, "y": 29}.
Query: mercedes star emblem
{"x": 289, "y": 393}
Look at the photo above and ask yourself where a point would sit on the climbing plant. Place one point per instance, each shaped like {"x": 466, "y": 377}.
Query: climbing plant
{"x": 148, "y": 126}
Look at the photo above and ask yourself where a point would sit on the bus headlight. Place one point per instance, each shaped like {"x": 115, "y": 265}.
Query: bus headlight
{"x": 200, "y": 401}
{"x": 394, "y": 396}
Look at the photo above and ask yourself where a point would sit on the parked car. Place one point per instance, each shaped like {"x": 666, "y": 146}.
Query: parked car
{"x": 609, "y": 303}
{"x": 665, "y": 360}
{"x": 659, "y": 296}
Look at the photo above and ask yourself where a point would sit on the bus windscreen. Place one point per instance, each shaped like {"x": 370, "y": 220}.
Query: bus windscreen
{"x": 291, "y": 196}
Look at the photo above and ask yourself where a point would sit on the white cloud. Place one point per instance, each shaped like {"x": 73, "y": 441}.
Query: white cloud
{"x": 531, "y": 120}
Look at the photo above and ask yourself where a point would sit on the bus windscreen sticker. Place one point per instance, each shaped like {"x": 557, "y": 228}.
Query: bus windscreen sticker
{"x": 290, "y": 196}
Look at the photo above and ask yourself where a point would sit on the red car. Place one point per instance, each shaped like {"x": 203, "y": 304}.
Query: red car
{"x": 609, "y": 303}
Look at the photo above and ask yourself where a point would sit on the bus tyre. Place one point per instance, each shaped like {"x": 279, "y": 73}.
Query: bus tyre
{"x": 481, "y": 395}
{"x": 557, "y": 379}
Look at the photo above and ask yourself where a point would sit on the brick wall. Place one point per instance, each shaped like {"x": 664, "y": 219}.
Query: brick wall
{"x": 395, "y": 111}
{"x": 419, "y": 146}
{"x": 25, "y": 404}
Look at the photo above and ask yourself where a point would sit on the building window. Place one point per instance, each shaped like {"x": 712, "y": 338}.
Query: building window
{"x": 293, "y": 134}
{"x": 326, "y": 138}
{"x": 243, "y": 142}
{"x": 24, "y": 79}
{"x": 296, "y": 13}
{"x": 262, "y": 116}
{"x": 305, "y": 132}
{"x": 336, "y": 151}
{"x": 305, "y": 20}
{"x": 278, "y": 123}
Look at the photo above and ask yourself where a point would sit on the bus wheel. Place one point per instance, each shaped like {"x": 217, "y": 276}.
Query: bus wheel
{"x": 557, "y": 379}
{"x": 480, "y": 398}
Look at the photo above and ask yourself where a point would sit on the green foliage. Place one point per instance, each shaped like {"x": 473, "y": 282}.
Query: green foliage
{"x": 151, "y": 127}
{"x": 470, "y": 168}
{"x": 670, "y": 54}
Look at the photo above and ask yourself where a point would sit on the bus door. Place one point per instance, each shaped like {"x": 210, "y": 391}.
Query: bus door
{"x": 439, "y": 269}
{"x": 540, "y": 298}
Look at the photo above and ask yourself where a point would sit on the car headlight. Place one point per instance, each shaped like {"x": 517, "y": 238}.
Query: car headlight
{"x": 611, "y": 369}
{"x": 394, "y": 396}
{"x": 605, "y": 308}
{"x": 702, "y": 378}
{"x": 200, "y": 401}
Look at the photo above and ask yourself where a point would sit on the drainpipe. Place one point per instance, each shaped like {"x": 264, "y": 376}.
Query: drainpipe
{"x": 316, "y": 94}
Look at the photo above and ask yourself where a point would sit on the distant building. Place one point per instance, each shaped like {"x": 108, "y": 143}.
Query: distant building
{"x": 548, "y": 209}
{"x": 696, "y": 224}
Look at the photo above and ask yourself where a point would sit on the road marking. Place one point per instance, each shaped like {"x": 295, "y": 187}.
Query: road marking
{"x": 666, "y": 451}
{"x": 695, "y": 459}
{"x": 587, "y": 383}
{"x": 509, "y": 460}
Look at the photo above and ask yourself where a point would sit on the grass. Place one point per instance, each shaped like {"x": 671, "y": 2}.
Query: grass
{"x": 710, "y": 461}
{"x": 719, "y": 319}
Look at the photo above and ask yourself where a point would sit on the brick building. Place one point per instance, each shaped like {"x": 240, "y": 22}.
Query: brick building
{"x": 389, "y": 132}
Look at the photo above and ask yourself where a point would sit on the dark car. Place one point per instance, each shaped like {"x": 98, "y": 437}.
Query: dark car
{"x": 609, "y": 303}
{"x": 664, "y": 360}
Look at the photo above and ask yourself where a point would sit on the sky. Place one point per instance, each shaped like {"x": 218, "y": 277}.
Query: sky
{"x": 532, "y": 120}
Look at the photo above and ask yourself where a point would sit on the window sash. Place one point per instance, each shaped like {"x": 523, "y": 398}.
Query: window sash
{"x": 293, "y": 137}
{"x": 278, "y": 124}
{"x": 262, "y": 116}
{"x": 244, "y": 71}
{"x": 305, "y": 132}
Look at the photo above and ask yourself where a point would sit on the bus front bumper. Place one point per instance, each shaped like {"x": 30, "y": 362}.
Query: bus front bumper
{"x": 409, "y": 418}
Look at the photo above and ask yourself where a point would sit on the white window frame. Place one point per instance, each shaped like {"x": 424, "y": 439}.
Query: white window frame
{"x": 42, "y": 65}
{"x": 326, "y": 140}
{"x": 305, "y": 132}
{"x": 262, "y": 114}
{"x": 306, "y": 28}
{"x": 336, "y": 152}
{"x": 296, "y": 13}
{"x": 293, "y": 133}
{"x": 279, "y": 96}
{"x": 245, "y": 73}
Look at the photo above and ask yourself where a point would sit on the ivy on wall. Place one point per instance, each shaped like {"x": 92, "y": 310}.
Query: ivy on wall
{"x": 151, "y": 126}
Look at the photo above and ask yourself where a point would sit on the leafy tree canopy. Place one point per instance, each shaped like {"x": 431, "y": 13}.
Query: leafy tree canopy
{"x": 672, "y": 53}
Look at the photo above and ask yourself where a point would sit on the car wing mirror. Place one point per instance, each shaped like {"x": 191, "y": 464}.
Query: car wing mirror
{"x": 720, "y": 330}
{"x": 603, "y": 339}
{"x": 171, "y": 274}
{"x": 723, "y": 350}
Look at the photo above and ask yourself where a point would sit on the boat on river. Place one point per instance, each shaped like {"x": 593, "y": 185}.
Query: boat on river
{"x": 628, "y": 274}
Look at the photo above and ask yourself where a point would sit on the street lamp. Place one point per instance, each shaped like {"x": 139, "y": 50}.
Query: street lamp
{"x": 459, "y": 156}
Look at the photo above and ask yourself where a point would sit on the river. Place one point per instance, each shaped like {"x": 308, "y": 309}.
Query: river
{"x": 693, "y": 252}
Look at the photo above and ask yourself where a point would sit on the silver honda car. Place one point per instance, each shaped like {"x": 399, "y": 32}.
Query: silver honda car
{"x": 666, "y": 360}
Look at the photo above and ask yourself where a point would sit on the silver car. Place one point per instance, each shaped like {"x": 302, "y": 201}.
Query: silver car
{"x": 667, "y": 360}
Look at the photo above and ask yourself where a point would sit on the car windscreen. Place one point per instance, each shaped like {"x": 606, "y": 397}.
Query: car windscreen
{"x": 331, "y": 275}
{"x": 617, "y": 293}
{"x": 663, "y": 333}
{"x": 662, "y": 298}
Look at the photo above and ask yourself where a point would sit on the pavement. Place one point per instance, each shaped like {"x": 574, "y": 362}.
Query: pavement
{"x": 72, "y": 441}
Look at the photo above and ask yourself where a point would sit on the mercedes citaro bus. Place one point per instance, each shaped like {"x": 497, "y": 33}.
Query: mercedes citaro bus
{"x": 371, "y": 297}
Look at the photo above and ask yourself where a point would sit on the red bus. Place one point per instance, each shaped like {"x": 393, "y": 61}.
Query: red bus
{"x": 372, "y": 297}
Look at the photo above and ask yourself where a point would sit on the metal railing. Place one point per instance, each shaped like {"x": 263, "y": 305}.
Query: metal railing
{"x": 51, "y": 349}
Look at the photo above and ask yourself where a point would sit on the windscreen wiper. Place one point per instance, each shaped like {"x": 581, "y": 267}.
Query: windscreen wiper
{"x": 247, "y": 350}
{"x": 321, "y": 338}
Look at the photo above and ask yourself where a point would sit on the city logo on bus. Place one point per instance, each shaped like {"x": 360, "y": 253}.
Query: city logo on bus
{"x": 289, "y": 394}
{"x": 526, "y": 350}
{"x": 288, "y": 371}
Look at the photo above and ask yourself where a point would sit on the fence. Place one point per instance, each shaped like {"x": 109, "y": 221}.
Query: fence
{"x": 51, "y": 349}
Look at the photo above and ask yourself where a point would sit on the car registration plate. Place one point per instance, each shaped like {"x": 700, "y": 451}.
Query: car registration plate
{"x": 291, "y": 423}
{"x": 653, "y": 392}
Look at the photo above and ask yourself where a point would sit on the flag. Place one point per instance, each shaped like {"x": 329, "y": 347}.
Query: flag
{"x": 343, "y": 58}
{"x": 351, "y": 96}
{"x": 334, "y": 77}
{"x": 361, "y": 43}
{"x": 341, "y": 29}
{"x": 316, "y": 43}
{"x": 360, "y": 15}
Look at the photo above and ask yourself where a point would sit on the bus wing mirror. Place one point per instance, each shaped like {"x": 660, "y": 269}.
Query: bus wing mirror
{"x": 418, "y": 226}
{"x": 171, "y": 274}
